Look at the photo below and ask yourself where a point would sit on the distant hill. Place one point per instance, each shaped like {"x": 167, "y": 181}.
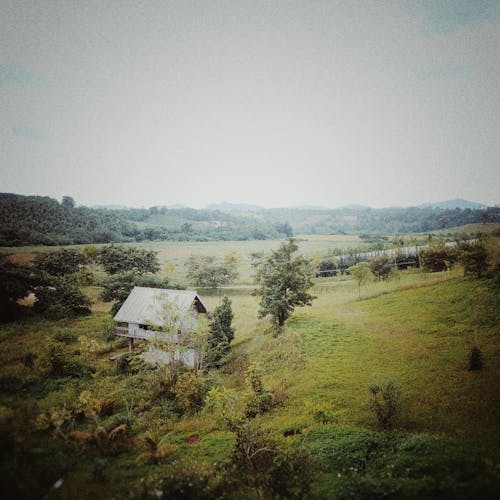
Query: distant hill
{"x": 353, "y": 206}
{"x": 456, "y": 203}
{"x": 234, "y": 207}
{"x": 40, "y": 220}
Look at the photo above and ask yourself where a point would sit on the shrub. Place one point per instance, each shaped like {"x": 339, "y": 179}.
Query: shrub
{"x": 190, "y": 391}
{"x": 60, "y": 363}
{"x": 385, "y": 403}
{"x": 381, "y": 267}
{"x": 130, "y": 363}
{"x": 29, "y": 359}
{"x": 438, "y": 258}
{"x": 65, "y": 337}
{"x": 321, "y": 412}
{"x": 475, "y": 359}
{"x": 268, "y": 465}
{"x": 263, "y": 399}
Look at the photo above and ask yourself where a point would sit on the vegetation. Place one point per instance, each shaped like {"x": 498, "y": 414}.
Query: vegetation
{"x": 292, "y": 416}
{"x": 284, "y": 279}
{"x": 37, "y": 220}
{"x": 209, "y": 272}
{"x": 220, "y": 331}
{"x": 361, "y": 273}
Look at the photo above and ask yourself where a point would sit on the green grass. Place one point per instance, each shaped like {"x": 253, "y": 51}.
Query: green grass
{"x": 415, "y": 330}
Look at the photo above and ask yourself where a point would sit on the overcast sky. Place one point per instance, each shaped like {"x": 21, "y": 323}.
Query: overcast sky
{"x": 276, "y": 103}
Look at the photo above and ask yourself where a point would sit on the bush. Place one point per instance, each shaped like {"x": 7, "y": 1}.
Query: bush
{"x": 385, "y": 403}
{"x": 130, "y": 364}
{"x": 65, "y": 337}
{"x": 60, "y": 363}
{"x": 321, "y": 412}
{"x": 438, "y": 258}
{"x": 263, "y": 399}
{"x": 475, "y": 359}
{"x": 366, "y": 464}
{"x": 381, "y": 267}
{"x": 267, "y": 465}
{"x": 190, "y": 391}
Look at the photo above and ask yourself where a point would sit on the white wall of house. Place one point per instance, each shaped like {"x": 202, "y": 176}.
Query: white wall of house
{"x": 156, "y": 356}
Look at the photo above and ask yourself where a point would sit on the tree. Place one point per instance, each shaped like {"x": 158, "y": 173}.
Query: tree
{"x": 117, "y": 260}
{"x": 285, "y": 279}
{"x": 361, "y": 273}
{"x": 220, "y": 330}
{"x": 15, "y": 284}
{"x": 381, "y": 267}
{"x": 438, "y": 257}
{"x": 117, "y": 287}
{"x": 284, "y": 228}
{"x": 61, "y": 298}
{"x": 59, "y": 263}
{"x": 209, "y": 272}
{"x": 68, "y": 202}
{"x": 474, "y": 258}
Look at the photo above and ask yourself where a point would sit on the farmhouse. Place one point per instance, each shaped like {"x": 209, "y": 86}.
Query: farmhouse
{"x": 164, "y": 317}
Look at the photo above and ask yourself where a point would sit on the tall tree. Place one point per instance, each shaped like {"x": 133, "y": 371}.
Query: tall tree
{"x": 220, "y": 330}
{"x": 284, "y": 279}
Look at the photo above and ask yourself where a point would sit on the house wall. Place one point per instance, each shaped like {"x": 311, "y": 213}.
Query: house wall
{"x": 156, "y": 356}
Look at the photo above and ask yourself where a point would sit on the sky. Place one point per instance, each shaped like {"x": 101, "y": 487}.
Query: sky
{"x": 276, "y": 103}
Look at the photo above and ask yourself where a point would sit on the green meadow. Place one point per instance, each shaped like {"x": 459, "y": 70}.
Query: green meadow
{"x": 415, "y": 329}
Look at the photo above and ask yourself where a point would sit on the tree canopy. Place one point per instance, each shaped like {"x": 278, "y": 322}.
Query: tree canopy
{"x": 210, "y": 272}
{"x": 117, "y": 259}
{"x": 284, "y": 279}
{"x": 361, "y": 273}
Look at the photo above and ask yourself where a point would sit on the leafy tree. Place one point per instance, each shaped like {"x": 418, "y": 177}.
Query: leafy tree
{"x": 59, "y": 263}
{"x": 381, "y": 267}
{"x": 361, "y": 273}
{"x": 284, "y": 279}
{"x": 68, "y": 202}
{"x": 220, "y": 329}
{"x": 117, "y": 260}
{"x": 117, "y": 287}
{"x": 284, "y": 228}
{"x": 438, "y": 257}
{"x": 474, "y": 258}
{"x": 15, "y": 284}
{"x": 61, "y": 298}
{"x": 207, "y": 271}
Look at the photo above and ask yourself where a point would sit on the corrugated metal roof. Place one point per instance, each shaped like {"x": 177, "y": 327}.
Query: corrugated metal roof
{"x": 149, "y": 306}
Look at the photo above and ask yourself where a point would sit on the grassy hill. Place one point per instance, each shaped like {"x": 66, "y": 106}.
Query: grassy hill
{"x": 416, "y": 330}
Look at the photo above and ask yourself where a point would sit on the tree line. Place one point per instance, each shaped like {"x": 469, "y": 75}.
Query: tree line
{"x": 40, "y": 220}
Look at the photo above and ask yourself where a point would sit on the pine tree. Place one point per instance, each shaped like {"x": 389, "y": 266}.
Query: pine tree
{"x": 221, "y": 332}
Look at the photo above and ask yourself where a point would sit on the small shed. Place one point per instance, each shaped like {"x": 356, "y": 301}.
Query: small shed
{"x": 161, "y": 314}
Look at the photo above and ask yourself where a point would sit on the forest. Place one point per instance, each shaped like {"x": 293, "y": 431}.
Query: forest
{"x": 40, "y": 220}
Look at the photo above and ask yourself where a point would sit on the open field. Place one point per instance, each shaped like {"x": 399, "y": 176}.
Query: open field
{"x": 173, "y": 254}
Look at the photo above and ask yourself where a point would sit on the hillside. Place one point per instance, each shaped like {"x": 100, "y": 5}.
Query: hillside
{"x": 37, "y": 220}
{"x": 415, "y": 330}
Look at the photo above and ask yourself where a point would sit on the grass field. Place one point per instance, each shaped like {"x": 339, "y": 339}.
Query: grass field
{"x": 173, "y": 254}
{"x": 416, "y": 330}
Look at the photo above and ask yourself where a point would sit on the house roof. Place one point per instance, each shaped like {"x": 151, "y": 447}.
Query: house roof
{"x": 149, "y": 306}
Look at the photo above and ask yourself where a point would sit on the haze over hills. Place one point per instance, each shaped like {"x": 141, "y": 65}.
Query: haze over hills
{"x": 41, "y": 220}
{"x": 247, "y": 207}
{"x": 455, "y": 203}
